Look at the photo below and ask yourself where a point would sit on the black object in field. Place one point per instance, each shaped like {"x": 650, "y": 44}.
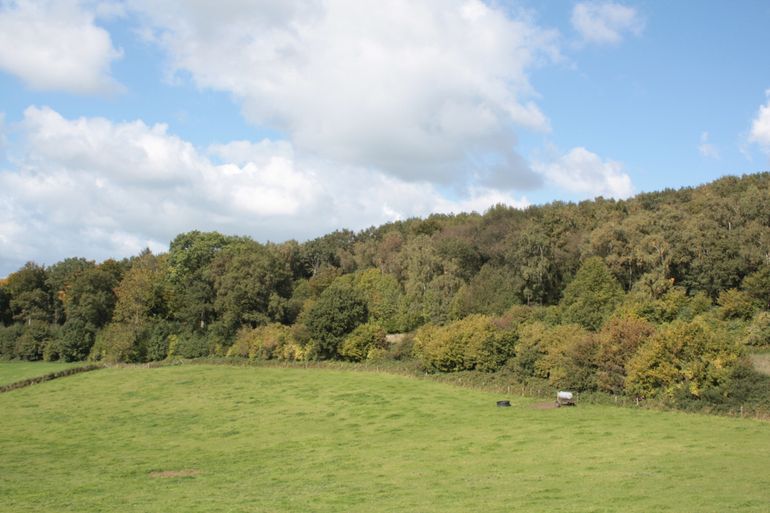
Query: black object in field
{"x": 503, "y": 403}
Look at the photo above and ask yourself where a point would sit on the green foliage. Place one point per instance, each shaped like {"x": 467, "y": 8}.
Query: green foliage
{"x": 5, "y": 306}
{"x": 192, "y": 344}
{"x": 77, "y": 339}
{"x": 683, "y": 359}
{"x": 571, "y": 364}
{"x": 591, "y": 296}
{"x": 272, "y": 341}
{"x": 32, "y": 342}
{"x": 91, "y": 296}
{"x": 758, "y": 332}
{"x": 192, "y": 290}
{"x": 60, "y": 277}
{"x": 363, "y": 341}
{"x": 671, "y": 305}
{"x": 251, "y": 285}
{"x": 118, "y": 342}
{"x": 30, "y": 298}
{"x": 475, "y": 342}
{"x": 619, "y": 340}
{"x": 384, "y": 299}
{"x": 144, "y": 292}
{"x": 491, "y": 292}
{"x": 338, "y": 311}
{"x": 736, "y": 304}
{"x": 757, "y": 285}
{"x": 8, "y": 337}
{"x": 562, "y": 354}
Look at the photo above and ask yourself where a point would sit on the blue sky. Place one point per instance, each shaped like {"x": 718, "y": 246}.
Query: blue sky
{"x": 126, "y": 122}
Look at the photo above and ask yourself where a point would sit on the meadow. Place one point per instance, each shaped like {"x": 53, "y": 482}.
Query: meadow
{"x": 13, "y": 371}
{"x": 226, "y": 439}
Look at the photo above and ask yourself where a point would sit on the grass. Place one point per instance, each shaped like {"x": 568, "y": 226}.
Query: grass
{"x": 13, "y": 371}
{"x": 228, "y": 439}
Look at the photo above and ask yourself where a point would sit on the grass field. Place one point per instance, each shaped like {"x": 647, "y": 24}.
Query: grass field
{"x": 12, "y": 371}
{"x": 223, "y": 439}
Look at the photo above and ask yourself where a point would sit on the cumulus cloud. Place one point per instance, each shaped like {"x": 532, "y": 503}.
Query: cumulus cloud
{"x": 587, "y": 174}
{"x": 55, "y": 45}
{"x": 706, "y": 149}
{"x": 419, "y": 90}
{"x": 605, "y": 22}
{"x": 95, "y": 188}
{"x": 760, "y": 127}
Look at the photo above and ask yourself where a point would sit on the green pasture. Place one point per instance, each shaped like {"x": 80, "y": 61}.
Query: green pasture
{"x": 224, "y": 439}
{"x": 13, "y": 371}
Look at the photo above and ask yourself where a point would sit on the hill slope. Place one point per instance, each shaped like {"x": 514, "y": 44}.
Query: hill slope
{"x": 208, "y": 439}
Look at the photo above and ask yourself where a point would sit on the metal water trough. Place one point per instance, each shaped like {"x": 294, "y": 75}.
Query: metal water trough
{"x": 565, "y": 398}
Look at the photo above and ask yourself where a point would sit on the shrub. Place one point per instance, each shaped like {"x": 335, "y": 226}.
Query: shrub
{"x": 758, "y": 332}
{"x": 619, "y": 340}
{"x": 157, "y": 339}
{"x": 564, "y": 355}
{"x": 31, "y": 344}
{"x": 338, "y": 311}
{"x": 265, "y": 343}
{"x": 8, "y": 337}
{"x": 683, "y": 359}
{"x": 77, "y": 339}
{"x": 592, "y": 296}
{"x": 118, "y": 342}
{"x": 364, "y": 339}
{"x": 193, "y": 345}
{"x": 471, "y": 343}
{"x": 736, "y": 304}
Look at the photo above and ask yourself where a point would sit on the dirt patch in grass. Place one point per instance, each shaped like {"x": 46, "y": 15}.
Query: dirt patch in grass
{"x": 550, "y": 405}
{"x": 166, "y": 474}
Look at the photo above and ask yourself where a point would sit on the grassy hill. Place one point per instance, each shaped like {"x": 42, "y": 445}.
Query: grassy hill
{"x": 211, "y": 439}
{"x": 13, "y": 371}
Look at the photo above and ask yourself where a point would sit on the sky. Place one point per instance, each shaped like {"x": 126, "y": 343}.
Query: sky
{"x": 126, "y": 122}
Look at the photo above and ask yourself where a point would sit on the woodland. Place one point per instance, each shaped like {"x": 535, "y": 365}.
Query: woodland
{"x": 660, "y": 297}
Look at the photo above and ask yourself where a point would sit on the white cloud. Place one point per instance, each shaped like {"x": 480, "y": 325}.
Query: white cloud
{"x": 605, "y": 22}
{"x": 583, "y": 172}
{"x": 91, "y": 187}
{"x": 760, "y": 127}
{"x": 707, "y": 149}
{"x": 55, "y": 45}
{"x": 418, "y": 90}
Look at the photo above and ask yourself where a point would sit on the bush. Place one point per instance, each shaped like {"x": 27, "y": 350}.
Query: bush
{"x": 338, "y": 311}
{"x": 736, "y": 304}
{"x": 592, "y": 296}
{"x": 118, "y": 342}
{"x": 672, "y": 305}
{"x": 77, "y": 339}
{"x": 273, "y": 341}
{"x": 758, "y": 332}
{"x": 565, "y": 355}
{"x": 684, "y": 359}
{"x": 619, "y": 340}
{"x": 193, "y": 345}
{"x": 362, "y": 341}
{"x": 157, "y": 339}
{"x": 8, "y": 337}
{"x": 475, "y": 342}
{"x": 31, "y": 344}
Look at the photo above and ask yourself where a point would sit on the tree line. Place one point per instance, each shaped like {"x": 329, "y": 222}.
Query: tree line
{"x": 656, "y": 296}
